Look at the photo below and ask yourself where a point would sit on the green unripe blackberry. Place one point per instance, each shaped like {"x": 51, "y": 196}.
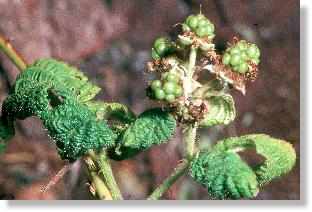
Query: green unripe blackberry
{"x": 188, "y": 19}
{"x": 169, "y": 87}
{"x": 193, "y": 22}
{"x": 235, "y": 50}
{"x": 235, "y": 59}
{"x": 201, "y": 31}
{"x": 237, "y": 56}
{"x": 242, "y": 68}
{"x": 165, "y": 74}
{"x": 255, "y": 61}
{"x": 200, "y": 16}
{"x": 155, "y": 56}
{"x": 161, "y": 49}
{"x": 210, "y": 29}
{"x": 226, "y": 59}
{"x": 252, "y": 51}
{"x": 257, "y": 53}
{"x": 172, "y": 78}
{"x": 160, "y": 94}
{"x": 244, "y": 56}
{"x": 203, "y": 22}
{"x": 169, "y": 97}
{"x": 155, "y": 84}
{"x": 178, "y": 91}
{"x": 159, "y": 41}
{"x": 200, "y": 25}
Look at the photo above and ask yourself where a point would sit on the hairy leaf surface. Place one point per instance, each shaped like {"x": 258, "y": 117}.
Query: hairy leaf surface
{"x": 76, "y": 129}
{"x": 153, "y": 127}
{"x": 280, "y": 155}
{"x": 26, "y": 103}
{"x": 221, "y": 110}
{"x": 59, "y": 74}
{"x": 224, "y": 175}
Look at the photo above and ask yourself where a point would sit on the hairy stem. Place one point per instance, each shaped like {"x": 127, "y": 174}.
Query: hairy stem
{"x": 100, "y": 187}
{"x": 192, "y": 62}
{"x": 107, "y": 172}
{"x": 12, "y": 54}
{"x": 165, "y": 186}
{"x": 189, "y": 139}
{"x": 190, "y": 135}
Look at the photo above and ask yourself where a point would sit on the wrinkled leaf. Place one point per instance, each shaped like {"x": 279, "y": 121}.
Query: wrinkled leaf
{"x": 280, "y": 155}
{"x": 153, "y": 127}
{"x": 221, "y": 110}
{"x": 224, "y": 175}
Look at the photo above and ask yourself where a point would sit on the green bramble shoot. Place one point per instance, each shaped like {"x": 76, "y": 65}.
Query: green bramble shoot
{"x": 63, "y": 99}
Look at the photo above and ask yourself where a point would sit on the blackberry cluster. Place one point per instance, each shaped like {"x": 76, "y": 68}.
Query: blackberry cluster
{"x": 237, "y": 56}
{"x": 200, "y": 25}
{"x": 168, "y": 90}
{"x": 162, "y": 47}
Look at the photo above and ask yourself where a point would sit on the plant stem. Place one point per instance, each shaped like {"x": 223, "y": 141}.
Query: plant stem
{"x": 192, "y": 62}
{"x": 100, "y": 187}
{"x": 165, "y": 186}
{"x": 190, "y": 135}
{"x": 12, "y": 54}
{"x": 189, "y": 139}
{"x": 107, "y": 172}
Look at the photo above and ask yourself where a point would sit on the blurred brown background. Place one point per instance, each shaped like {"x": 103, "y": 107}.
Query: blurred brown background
{"x": 111, "y": 41}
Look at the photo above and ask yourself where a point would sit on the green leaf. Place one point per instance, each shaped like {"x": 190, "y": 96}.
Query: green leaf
{"x": 224, "y": 175}
{"x": 26, "y": 103}
{"x": 153, "y": 127}
{"x": 62, "y": 76}
{"x": 75, "y": 129}
{"x": 212, "y": 88}
{"x": 221, "y": 110}
{"x": 112, "y": 111}
{"x": 280, "y": 155}
{"x": 6, "y": 133}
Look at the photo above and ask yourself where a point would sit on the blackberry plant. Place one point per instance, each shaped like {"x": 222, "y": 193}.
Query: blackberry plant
{"x": 62, "y": 98}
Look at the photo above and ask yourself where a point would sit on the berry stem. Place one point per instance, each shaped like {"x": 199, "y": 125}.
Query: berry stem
{"x": 192, "y": 62}
{"x": 100, "y": 187}
{"x": 12, "y": 54}
{"x": 190, "y": 135}
{"x": 107, "y": 173}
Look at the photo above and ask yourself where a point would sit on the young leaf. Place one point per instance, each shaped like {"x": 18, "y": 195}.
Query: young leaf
{"x": 280, "y": 155}
{"x": 224, "y": 175}
{"x": 221, "y": 110}
{"x": 153, "y": 127}
{"x": 112, "y": 111}
{"x": 212, "y": 88}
